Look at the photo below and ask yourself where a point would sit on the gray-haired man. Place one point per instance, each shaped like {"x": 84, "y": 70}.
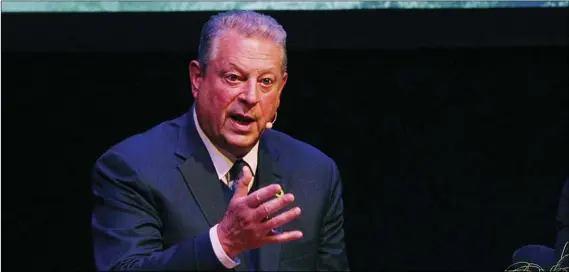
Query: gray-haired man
{"x": 217, "y": 188}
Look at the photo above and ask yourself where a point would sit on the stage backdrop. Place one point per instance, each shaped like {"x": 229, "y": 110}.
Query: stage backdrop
{"x": 449, "y": 126}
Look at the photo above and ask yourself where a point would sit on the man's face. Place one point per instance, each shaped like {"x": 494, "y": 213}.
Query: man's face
{"x": 240, "y": 91}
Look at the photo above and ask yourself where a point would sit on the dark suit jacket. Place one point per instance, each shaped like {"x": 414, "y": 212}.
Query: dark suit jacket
{"x": 563, "y": 225}
{"x": 157, "y": 195}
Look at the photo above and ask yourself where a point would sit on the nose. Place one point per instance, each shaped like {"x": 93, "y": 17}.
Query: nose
{"x": 250, "y": 93}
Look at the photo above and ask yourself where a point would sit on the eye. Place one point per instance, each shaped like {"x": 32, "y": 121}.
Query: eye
{"x": 267, "y": 81}
{"x": 232, "y": 77}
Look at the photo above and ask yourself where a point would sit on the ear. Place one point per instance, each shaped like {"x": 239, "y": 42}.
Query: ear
{"x": 196, "y": 77}
{"x": 284, "y": 79}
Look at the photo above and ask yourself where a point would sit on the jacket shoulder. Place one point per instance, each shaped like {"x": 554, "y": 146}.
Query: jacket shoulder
{"x": 153, "y": 144}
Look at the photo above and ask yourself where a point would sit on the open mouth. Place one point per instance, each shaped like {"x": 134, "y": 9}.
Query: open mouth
{"x": 242, "y": 119}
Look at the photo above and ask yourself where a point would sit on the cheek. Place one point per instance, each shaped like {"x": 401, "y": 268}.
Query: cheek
{"x": 270, "y": 104}
{"x": 221, "y": 102}
{"x": 219, "y": 99}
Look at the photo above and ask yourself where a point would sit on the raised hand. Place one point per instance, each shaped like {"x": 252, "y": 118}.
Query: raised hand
{"x": 244, "y": 226}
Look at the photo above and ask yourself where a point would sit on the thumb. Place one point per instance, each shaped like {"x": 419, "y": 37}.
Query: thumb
{"x": 242, "y": 188}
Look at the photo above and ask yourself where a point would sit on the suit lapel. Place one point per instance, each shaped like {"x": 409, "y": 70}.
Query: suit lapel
{"x": 199, "y": 173}
{"x": 269, "y": 173}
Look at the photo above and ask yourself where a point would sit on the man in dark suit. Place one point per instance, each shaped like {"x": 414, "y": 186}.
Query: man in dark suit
{"x": 551, "y": 259}
{"x": 217, "y": 188}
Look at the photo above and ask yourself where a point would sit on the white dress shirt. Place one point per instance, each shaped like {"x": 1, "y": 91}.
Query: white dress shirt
{"x": 222, "y": 166}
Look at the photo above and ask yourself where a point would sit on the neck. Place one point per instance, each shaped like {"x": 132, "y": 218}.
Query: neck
{"x": 233, "y": 153}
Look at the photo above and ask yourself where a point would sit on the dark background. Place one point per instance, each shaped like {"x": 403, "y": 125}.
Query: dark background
{"x": 449, "y": 126}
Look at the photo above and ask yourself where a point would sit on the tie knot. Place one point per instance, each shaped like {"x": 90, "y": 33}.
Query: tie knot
{"x": 236, "y": 170}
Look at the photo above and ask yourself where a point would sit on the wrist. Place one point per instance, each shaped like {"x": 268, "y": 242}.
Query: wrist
{"x": 225, "y": 243}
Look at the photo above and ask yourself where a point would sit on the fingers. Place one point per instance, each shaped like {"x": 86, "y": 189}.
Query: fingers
{"x": 284, "y": 237}
{"x": 258, "y": 197}
{"x": 282, "y": 219}
{"x": 242, "y": 188}
{"x": 272, "y": 206}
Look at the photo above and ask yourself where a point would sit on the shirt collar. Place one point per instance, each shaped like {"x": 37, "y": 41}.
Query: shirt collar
{"x": 222, "y": 163}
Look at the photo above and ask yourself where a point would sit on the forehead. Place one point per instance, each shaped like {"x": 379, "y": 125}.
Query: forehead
{"x": 253, "y": 53}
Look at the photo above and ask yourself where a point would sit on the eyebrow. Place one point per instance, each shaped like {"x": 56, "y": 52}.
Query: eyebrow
{"x": 239, "y": 69}
{"x": 235, "y": 67}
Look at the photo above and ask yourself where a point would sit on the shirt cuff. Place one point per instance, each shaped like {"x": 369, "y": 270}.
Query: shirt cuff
{"x": 218, "y": 250}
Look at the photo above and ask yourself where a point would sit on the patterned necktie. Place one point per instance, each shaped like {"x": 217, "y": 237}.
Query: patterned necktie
{"x": 236, "y": 172}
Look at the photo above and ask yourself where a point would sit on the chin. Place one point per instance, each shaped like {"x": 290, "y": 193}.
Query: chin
{"x": 241, "y": 141}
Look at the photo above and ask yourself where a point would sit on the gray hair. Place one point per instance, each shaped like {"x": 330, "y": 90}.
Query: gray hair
{"x": 248, "y": 23}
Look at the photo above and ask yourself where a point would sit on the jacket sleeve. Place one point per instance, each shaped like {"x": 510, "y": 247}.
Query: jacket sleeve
{"x": 127, "y": 227}
{"x": 332, "y": 254}
{"x": 563, "y": 225}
